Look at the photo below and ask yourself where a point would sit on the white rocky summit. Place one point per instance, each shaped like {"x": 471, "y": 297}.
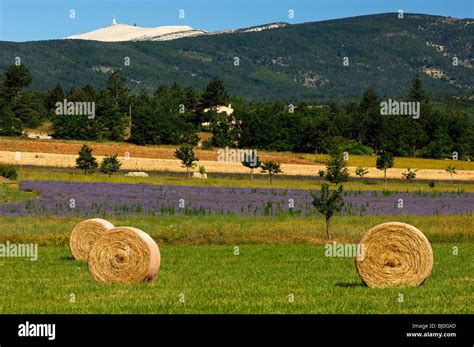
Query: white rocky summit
{"x": 124, "y": 32}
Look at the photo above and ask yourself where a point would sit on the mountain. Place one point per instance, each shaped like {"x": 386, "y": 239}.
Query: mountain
{"x": 123, "y": 32}
{"x": 302, "y": 62}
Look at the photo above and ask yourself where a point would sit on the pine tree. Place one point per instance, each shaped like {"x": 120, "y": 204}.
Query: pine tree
{"x": 417, "y": 91}
{"x": 215, "y": 94}
{"x": 336, "y": 168}
{"x": 116, "y": 85}
{"x": 16, "y": 78}
{"x": 86, "y": 161}
{"x": 110, "y": 165}
{"x": 53, "y": 96}
{"x": 9, "y": 124}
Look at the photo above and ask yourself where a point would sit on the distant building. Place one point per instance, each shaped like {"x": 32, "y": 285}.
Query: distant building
{"x": 219, "y": 109}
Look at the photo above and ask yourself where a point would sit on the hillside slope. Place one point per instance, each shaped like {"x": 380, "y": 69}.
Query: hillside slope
{"x": 291, "y": 62}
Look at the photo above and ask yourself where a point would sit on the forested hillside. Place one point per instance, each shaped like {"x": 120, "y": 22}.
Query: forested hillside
{"x": 294, "y": 63}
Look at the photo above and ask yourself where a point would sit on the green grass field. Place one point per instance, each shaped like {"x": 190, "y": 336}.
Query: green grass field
{"x": 11, "y": 192}
{"x": 236, "y": 230}
{"x": 280, "y": 258}
{"x": 399, "y": 162}
{"x": 211, "y": 279}
{"x": 260, "y": 181}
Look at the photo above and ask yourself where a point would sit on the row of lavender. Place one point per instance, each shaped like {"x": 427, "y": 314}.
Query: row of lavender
{"x": 93, "y": 199}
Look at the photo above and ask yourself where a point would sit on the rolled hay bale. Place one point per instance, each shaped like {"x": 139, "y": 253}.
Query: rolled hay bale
{"x": 84, "y": 235}
{"x": 124, "y": 255}
{"x": 394, "y": 254}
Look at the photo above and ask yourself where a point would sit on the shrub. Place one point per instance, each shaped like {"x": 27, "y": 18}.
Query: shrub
{"x": 359, "y": 149}
{"x": 8, "y": 171}
{"x": 206, "y": 144}
{"x": 409, "y": 175}
{"x": 361, "y": 171}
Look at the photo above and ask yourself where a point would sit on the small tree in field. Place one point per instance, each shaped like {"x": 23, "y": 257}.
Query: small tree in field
{"x": 385, "y": 162}
{"x": 252, "y": 162}
{"x": 452, "y": 171}
{"x": 110, "y": 165}
{"x": 327, "y": 203}
{"x": 272, "y": 168}
{"x": 86, "y": 161}
{"x": 186, "y": 154}
{"x": 336, "y": 169}
{"x": 410, "y": 175}
{"x": 361, "y": 171}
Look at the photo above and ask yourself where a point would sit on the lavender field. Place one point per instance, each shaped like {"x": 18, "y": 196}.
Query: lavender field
{"x": 58, "y": 198}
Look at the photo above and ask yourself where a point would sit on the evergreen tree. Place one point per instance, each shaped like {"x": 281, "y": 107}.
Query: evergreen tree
{"x": 417, "y": 91}
{"x": 215, "y": 94}
{"x": 53, "y": 96}
{"x": 17, "y": 77}
{"x": 118, "y": 89}
{"x": 369, "y": 122}
{"x": 336, "y": 168}
{"x": 30, "y": 109}
{"x": 110, "y": 165}
{"x": 89, "y": 92}
{"x": 224, "y": 132}
{"x": 192, "y": 99}
{"x": 86, "y": 161}
{"x": 9, "y": 124}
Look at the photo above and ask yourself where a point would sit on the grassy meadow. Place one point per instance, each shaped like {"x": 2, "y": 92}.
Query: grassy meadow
{"x": 399, "y": 162}
{"x": 292, "y": 278}
{"x": 233, "y": 264}
{"x": 222, "y": 180}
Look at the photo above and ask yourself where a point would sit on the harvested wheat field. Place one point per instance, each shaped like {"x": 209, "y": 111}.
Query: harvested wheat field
{"x": 125, "y": 149}
{"x": 173, "y": 165}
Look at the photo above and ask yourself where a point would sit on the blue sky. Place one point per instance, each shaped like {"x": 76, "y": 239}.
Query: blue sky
{"x": 25, "y": 20}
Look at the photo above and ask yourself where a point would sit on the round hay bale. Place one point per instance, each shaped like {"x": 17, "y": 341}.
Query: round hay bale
{"x": 394, "y": 254}
{"x": 84, "y": 234}
{"x": 124, "y": 255}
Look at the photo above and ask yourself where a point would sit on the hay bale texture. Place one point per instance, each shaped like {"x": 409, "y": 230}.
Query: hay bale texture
{"x": 124, "y": 255}
{"x": 395, "y": 254}
{"x": 84, "y": 235}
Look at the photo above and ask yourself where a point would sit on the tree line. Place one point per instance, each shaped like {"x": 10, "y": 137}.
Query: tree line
{"x": 174, "y": 115}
